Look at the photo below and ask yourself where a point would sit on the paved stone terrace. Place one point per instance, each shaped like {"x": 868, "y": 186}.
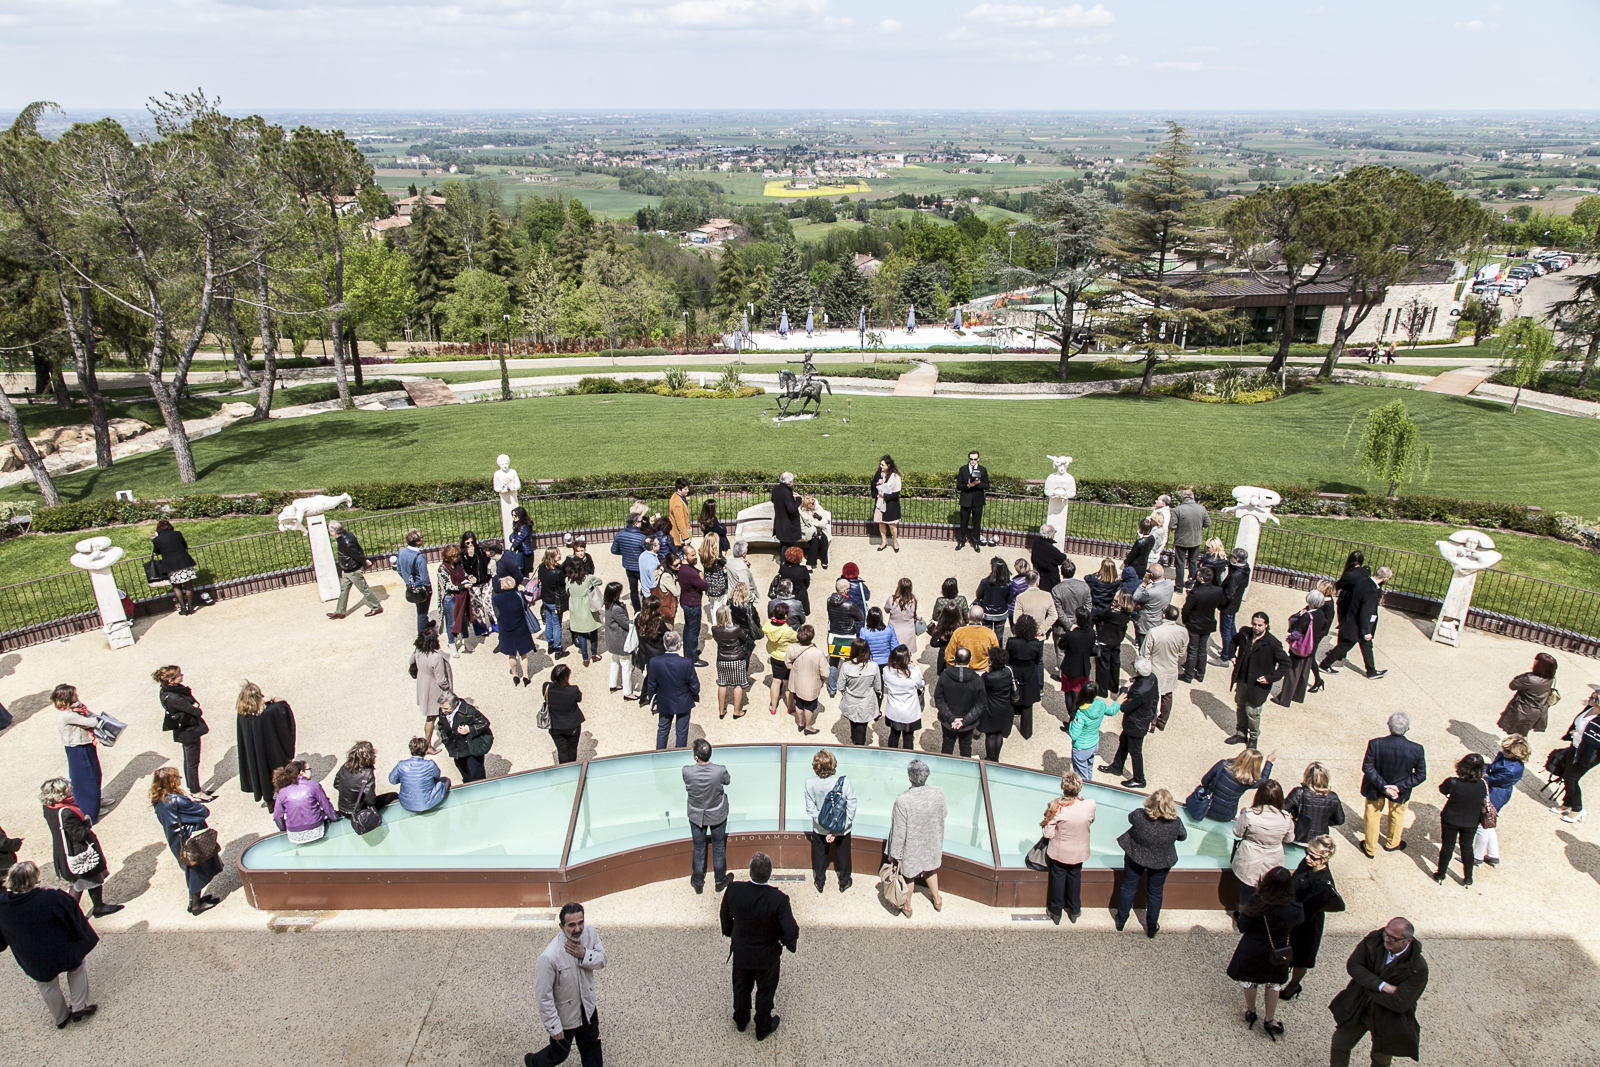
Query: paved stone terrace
{"x": 1514, "y": 958}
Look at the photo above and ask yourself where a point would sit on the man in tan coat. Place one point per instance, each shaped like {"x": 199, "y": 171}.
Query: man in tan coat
{"x": 1038, "y": 603}
{"x": 1165, "y": 647}
{"x": 975, "y": 637}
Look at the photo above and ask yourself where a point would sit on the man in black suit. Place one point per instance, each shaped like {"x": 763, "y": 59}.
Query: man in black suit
{"x": 1259, "y": 660}
{"x": 972, "y": 482}
{"x": 1047, "y": 558}
{"x": 1200, "y": 617}
{"x": 785, "y": 512}
{"x": 1393, "y": 767}
{"x": 758, "y": 920}
{"x": 1359, "y": 622}
{"x": 673, "y": 688}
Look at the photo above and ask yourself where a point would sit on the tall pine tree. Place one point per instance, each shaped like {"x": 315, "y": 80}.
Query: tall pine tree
{"x": 790, "y": 289}
{"x": 433, "y": 264}
{"x": 919, "y": 290}
{"x": 572, "y": 248}
{"x": 848, "y": 292}
{"x": 728, "y": 291}
{"x": 494, "y": 253}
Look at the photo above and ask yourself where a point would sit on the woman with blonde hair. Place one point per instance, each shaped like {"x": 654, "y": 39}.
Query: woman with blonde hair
{"x": 182, "y": 818}
{"x": 182, "y": 716}
{"x": 1502, "y": 777}
{"x": 715, "y": 570}
{"x": 1220, "y": 790}
{"x": 1317, "y": 895}
{"x": 265, "y": 731}
{"x": 1066, "y": 829}
{"x": 515, "y": 641}
{"x": 1103, "y": 585}
{"x": 1149, "y": 852}
{"x": 1313, "y": 805}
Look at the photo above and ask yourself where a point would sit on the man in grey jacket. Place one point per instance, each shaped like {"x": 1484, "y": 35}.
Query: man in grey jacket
{"x": 1070, "y": 594}
{"x": 563, "y": 988}
{"x": 1189, "y": 520}
{"x": 1151, "y": 600}
{"x": 708, "y": 816}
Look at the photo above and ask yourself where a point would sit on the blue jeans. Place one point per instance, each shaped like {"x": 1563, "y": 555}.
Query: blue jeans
{"x": 691, "y": 632}
{"x": 833, "y": 676}
{"x": 1227, "y": 630}
{"x": 719, "y": 850}
{"x": 552, "y": 626}
{"x": 588, "y": 644}
{"x": 665, "y": 724}
{"x": 448, "y": 606}
{"x": 1131, "y": 873}
{"x": 1083, "y": 762}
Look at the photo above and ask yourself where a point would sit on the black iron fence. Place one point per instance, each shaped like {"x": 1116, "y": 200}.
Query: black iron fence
{"x": 1510, "y": 604}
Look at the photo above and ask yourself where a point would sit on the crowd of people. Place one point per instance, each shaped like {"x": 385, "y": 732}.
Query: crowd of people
{"x": 994, "y": 648}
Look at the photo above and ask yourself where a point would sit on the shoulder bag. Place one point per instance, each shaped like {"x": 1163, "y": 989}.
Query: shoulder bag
{"x": 631, "y": 642}
{"x": 1281, "y": 956}
{"x": 108, "y": 730}
{"x": 1036, "y": 859}
{"x": 1488, "y": 818}
{"x": 1198, "y": 804}
{"x": 365, "y": 820}
{"x": 83, "y": 862}
{"x": 154, "y": 574}
{"x": 541, "y": 721}
{"x": 199, "y": 846}
{"x": 893, "y": 884}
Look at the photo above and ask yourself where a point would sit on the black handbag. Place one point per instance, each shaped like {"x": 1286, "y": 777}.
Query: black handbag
{"x": 366, "y": 820}
{"x": 153, "y": 573}
{"x": 1281, "y": 956}
{"x": 1035, "y": 859}
{"x": 418, "y": 594}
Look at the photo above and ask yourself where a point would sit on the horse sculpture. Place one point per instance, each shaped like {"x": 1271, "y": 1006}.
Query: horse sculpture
{"x": 806, "y": 388}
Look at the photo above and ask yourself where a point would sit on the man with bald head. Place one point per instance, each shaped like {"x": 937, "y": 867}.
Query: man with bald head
{"x": 1387, "y": 977}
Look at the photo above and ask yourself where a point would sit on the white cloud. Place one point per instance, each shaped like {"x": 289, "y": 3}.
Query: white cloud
{"x": 1470, "y": 27}
{"x": 1200, "y": 49}
{"x": 1043, "y": 18}
{"x": 1170, "y": 64}
{"x": 889, "y": 25}
{"x": 707, "y": 12}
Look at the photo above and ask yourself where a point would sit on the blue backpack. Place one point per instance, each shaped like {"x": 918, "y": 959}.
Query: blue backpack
{"x": 835, "y": 814}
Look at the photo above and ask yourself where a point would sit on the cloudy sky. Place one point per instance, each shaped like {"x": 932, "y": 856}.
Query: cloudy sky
{"x": 870, "y": 54}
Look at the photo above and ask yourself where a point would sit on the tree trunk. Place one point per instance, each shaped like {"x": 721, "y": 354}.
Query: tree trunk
{"x": 58, "y": 385}
{"x": 233, "y": 339}
{"x": 1340, "y": 332}
{"x": 80, "y": 332}
{"x": 336, "y": 300}
{"x": 1394, "y": 490}
{"x": 269, "y": 347}
{"x": 355, "y": 357}
{"x": 27, "y": 453}
{"x": 41, "y": 374}
{"x": 1285, "y": 334}
{"x": 167, "y": 400}
{"x": 1149, "y": 372}
{"x": 1516, "y": 400}
{"x": 1589, "y": 361}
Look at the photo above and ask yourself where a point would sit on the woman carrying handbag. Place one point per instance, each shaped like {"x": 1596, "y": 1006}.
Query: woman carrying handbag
{"x": 193, "y": 843}
{"x": 80, "y": 859}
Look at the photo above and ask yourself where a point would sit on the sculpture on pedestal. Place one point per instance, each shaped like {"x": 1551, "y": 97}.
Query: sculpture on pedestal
{"x": 1059, "y": 488}
{"x": 1468, "y": 552}
{"x": 1253, "y": 506}
{"x": 96, "y": 555}
{"x": 294, "y": 513}
{"x": 506, "y": 485}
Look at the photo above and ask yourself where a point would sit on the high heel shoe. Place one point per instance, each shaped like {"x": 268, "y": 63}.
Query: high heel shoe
{"x": 1439, "y": 876}
{"x": 1572, "y": 816}
{"x": 1273, "y": 1029}
{"x": 1250, "y": 1018}
{"x": 1289, "y": 993}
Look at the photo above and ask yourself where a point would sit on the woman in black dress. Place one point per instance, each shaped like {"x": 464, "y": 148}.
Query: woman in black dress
{"x": 1109, "y": 634}
{"x": 1316, "y": 893}
{"x": 1025, "y": 652}
{"x": 1458, "y": 819}
{"x": 1077, "y": 657}
{"x": 1265, "y": 924}
{"x": 177, "y": 566}
{"x": 182, "y": 717}
{"x": 563, "y": 699}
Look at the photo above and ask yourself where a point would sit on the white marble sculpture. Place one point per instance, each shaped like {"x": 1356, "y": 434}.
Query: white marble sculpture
{"x": 294, "y": 513}
{"x": 96, "y": 555}
{"x": 1059, "y": 488}
{"x": 506, "y": 485}
{"x": 1253, "y": 506}
{"x": 753, "y": 525}
{"x": 1468, "y": 552}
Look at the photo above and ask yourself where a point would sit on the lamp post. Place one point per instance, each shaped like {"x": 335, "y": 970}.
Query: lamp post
{"x": 505, "y": 372}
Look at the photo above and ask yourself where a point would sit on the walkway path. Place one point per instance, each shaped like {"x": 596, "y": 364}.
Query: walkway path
{"x": 920, "y": 380}
{"x": 1459, "y": 382}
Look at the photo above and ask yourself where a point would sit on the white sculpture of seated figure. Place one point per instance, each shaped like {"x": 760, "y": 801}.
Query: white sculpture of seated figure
{"x": 294, "y": 513}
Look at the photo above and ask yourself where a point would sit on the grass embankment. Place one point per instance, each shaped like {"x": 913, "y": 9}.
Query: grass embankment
{"x": 1481, "y": 450}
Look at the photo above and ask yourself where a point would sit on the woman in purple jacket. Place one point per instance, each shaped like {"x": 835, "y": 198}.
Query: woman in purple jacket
{"x": 301, "y": 807}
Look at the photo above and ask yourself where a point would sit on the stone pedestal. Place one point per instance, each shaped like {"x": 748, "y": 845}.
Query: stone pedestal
{"x": 322, "y": 559}
{"x": 96, "y": 556}
{"x": 1253, "y": 507}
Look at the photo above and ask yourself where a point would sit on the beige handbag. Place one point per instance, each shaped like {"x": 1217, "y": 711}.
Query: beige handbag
{"x": 896, "y": 893}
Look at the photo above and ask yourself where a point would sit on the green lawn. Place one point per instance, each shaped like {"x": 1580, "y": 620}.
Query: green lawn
{"x": 40, "y": 417}
{"x": 1481, "y": 450}
{"x": 320, "y": 391}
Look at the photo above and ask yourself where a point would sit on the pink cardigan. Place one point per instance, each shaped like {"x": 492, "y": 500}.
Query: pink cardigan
{"x": 1068, "y": 832}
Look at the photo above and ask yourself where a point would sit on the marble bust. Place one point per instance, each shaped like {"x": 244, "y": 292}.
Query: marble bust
{"x": 1468, "y": 552}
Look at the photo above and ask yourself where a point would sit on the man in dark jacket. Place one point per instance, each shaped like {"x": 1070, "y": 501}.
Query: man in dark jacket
{"x": 1234, "y": 584}
{"x": 1138, "y": 557}
{"x": 48, "y": 936}
{"x": 844, "y": 619}
{"x": 1139, "y": 708}
{"x": 1200, "y": 618}
{"x": 1387, "y": 977}
{"x": 1259, "y": 660}
{"x": 1391, "y": 769}
{"x": 972, "y": 482}
{"x": 785, "y": 512}
{"x": 628, "y": 543}
{"x": 351, "y": 561}
{"x": 1189, "y": 522}
{"x": 1047, "y": 558}
{"x": 464, "y": 732}
{"x": 960, "y": 698}
{"x": 758, "y": 919}
{"x": 673, "y": 688}
{"x": 691, "y": 599}
{"x": 1359, "y": 620}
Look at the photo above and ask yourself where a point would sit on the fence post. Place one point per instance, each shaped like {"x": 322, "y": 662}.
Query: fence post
{"x": 1468, "y": 552}
{"x": 96, "y": 556}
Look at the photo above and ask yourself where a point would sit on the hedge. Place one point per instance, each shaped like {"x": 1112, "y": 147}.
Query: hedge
{"x": 385, "y": 496}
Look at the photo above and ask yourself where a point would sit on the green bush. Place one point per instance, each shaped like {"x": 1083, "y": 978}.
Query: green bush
{"x": 1558, "y": 382}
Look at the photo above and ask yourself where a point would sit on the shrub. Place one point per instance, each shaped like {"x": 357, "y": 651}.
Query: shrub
{"x": 675, "y": 378}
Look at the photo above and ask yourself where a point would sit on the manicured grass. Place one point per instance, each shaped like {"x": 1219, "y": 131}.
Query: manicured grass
{"x": 1078, "y": 370}
{"x": 1481, "y": 451}
{"x": 712, "y": 371}
{"x": 40, "y": 417}
{"x": 319, "y": 391}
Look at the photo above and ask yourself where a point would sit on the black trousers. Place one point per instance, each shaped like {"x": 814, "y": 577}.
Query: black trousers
{"x": 1194, "y": 660}
{"x": 1448, "y": 836}
{"x": 1108, "y": 668}
{"x": 587, "y": 1037}
{"x": 1127, "y": 746}
{"x": 971, "y": 520}
{"x": 817, "y": 547}
{"x": 1026, "y": 726}
{"x": 191, "y": 765}
{"x": 566, "y": 745}
{"x": 766, "y": 984}
{"x": 1572, "y": 793}
{"x": 948, "y": 744}
{"x": 900, "y": 735}
{"x": 1066, "y": 883}
{"x": 1343, "y": 648}
{"x": 1185, "y": 561}
{"x": 471, "y": 768}
{"x": 819, "y": 857}
{"x": 858, "y": 733}
{"x": 633, "y": 589}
